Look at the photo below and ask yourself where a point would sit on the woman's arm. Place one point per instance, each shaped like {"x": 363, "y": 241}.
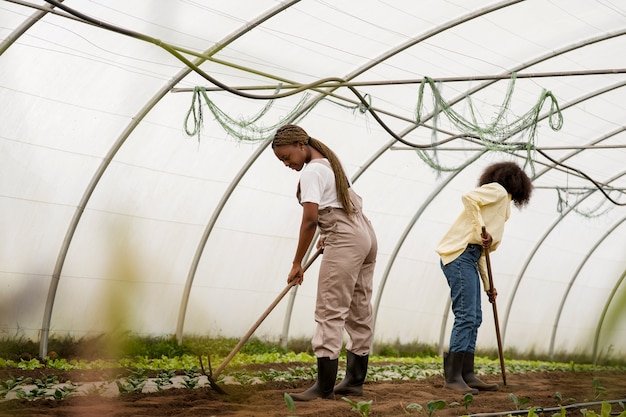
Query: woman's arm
{"x": 307, "y": 231}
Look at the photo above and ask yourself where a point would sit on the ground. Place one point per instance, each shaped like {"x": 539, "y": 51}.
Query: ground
{"x": 389, "y": 398}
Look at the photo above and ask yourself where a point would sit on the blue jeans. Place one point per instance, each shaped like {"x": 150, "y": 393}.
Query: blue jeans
{"x": 464, "y": 281}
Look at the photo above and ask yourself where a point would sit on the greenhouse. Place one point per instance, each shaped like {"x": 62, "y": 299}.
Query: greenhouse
{"x": 145, "y": 200}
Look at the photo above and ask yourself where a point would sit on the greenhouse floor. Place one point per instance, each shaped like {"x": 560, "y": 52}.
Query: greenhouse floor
{"x": 542, "y": 389}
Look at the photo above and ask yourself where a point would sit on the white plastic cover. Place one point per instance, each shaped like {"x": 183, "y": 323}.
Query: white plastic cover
{"x": 110, "y": 214}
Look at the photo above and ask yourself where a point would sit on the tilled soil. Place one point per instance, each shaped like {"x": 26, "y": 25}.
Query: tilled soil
{"x": 388, "y": 398}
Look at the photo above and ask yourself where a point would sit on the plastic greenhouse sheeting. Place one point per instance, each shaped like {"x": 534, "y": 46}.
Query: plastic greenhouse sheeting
{"x": 113, "y": 217}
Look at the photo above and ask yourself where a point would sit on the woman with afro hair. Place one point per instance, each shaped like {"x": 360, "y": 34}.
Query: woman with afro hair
{"x": 464, "y": 264}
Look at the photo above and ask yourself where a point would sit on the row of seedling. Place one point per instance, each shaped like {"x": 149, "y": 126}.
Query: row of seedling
{"x": 364, "y": 407}
{"x": 49, "y": 387}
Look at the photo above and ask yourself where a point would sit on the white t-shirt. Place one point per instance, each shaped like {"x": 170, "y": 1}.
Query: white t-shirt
{"x": 317, "y": 185}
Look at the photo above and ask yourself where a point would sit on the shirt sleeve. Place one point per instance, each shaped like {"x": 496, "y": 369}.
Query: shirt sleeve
{"x": 311, "y": 187}
{"x": 475, "y": 199}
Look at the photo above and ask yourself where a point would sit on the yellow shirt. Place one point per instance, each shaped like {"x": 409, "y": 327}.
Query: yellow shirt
{"x": 488, "y": 205}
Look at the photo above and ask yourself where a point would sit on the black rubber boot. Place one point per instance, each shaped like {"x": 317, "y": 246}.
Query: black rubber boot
{"x": 356, "y": 371}
{"x": 470, "y": 378}
{"x": 452, "y": 367}
{"x": 323, "y": 387}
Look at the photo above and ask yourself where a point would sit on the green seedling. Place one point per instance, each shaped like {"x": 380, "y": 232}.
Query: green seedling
{"x": 361, "y": 407}
{"x": 561, "y": 413}
{"x": 291, "y": 405}
{"x": 32, "y": 395}
{"x": 435, "y": 405}
{"x": 598, "y": 389}
{"x": 468, "y": 399}
{"x": 532, "y": 412}
{"x": 191, "y": 379}
{"x": 605, "y": 411}
{"x": 559, "y": 398}
{"x": 30, "y": 365}
{"x": 130, "y": 386}
{"x": 47, "y": 382}
{"x": 9, "y": 384}
{"x": 62, "y": 393}
{"x": 164, "y": 380}
{"x": 133, "y": 383}
{"x": 519, "y": 402}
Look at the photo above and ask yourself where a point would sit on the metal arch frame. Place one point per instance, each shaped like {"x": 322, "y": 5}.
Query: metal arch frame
{"x": 573, "y": 279}
{"x": 22, "y": 28}
{"x": 571, "y": 154}
{"x": 527, "y": 64}
{"x": 379, "y": 153}
{"x": 536, "y": 248}
{"x": 596, "y": 338}
{"x": 244, "y": 169}
{"x": 113, "y": 150}
{"x": 56, "y": 275}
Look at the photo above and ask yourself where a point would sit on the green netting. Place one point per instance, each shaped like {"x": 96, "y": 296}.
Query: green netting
{"x": 492, "y": 134}
{"x": 570, "y": 198}
{"x": 244, "y": 129}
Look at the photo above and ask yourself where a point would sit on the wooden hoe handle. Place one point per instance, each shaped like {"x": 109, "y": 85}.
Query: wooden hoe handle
{"x": 267, "y": 311}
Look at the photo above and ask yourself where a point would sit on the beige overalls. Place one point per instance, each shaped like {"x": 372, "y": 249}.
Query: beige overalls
{"x": 344, "y": 288}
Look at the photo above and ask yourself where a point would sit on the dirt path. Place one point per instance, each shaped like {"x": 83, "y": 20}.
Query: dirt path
{"x": 389, "y": 399}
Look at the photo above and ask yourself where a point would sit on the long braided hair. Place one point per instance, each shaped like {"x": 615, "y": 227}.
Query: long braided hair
{"x": 292, "y": 134}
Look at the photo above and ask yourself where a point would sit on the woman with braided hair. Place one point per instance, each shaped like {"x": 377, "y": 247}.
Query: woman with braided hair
{"x": 344, "y": 288}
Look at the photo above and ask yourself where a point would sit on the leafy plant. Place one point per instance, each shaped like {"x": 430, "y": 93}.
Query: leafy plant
{"x": 598, "y": 389}
{"x": 164, "y": 379}
{"x": 361, "y": 407}
{"x": 605, "y": 411}
{"x": 519, "y": 402}
{"x": 435, "y": 405}
{"x": 291, "y": 405}
{"x": 532, "y": 412}
{"x": 9, "y": 384}
{"x": 561, "y": 413}
{"x": 61, "y": 393}
{"x": 559, "y": 398}
{"x": 32, "y": 395}
{"x": 133, "y": 383}
{"x": 468, "y": 399}
{"x": 30, "y": 365}
{"x": 191, "y": 379}
{"x": 46, "y": 382}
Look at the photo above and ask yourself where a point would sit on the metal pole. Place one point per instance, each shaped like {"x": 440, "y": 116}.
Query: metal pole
{"x": 512, "y": 145}
{"x": 335, "y": 84}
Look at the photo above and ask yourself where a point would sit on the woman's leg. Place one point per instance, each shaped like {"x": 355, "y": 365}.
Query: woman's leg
{"x": 478, "y": 316}
{"x": 359, "y": 323}
{"x": 462, "y": 276}
{"x": 463, "y": 279}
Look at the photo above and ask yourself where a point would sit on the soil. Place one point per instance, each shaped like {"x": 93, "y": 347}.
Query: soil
{"x": 389, "y": 398}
